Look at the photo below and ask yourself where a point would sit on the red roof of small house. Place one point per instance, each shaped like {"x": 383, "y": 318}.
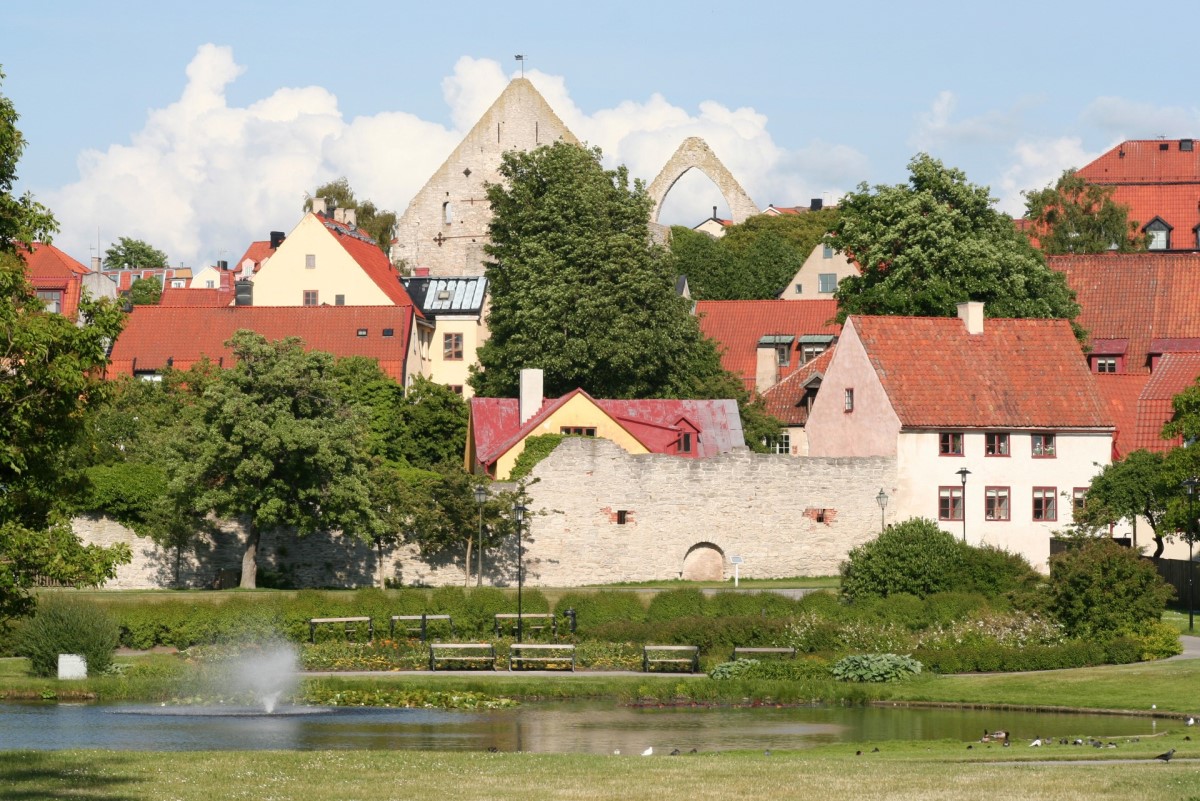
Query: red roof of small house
{"x": 1154, "y": 178}
{"x": 1139, "y": 297}
{"x": 373, "y": 261}
{"x": 50, "y": 270}
{"x": 258, "y": 252}
{"x": 1120, "y": 392}
{"x": 1174, "y": 373}
{"x": 657, "y": 424}
{"x": 195, "y": 296}
{"x": 155, "y": 336}
{"x": 785, "y": 400}
{"x": 738, "y": 325}
{"x": 1016, "y": 374}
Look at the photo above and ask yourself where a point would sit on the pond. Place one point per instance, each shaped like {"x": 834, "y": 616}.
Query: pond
{"x": 560, "y": 727}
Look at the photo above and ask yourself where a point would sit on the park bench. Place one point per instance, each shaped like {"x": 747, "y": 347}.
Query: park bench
{"x": 752, "y": 653}
{"x": 482, "y": 654}
{"x": 541, "y": 621}
{"x": 671, "y": 655}
{"x": 422, "y": 627}
{"x": 351, "y": 624}
{"x": 520, "y": 654}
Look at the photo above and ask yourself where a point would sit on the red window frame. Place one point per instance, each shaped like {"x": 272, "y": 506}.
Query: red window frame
{"x": 1043, "y": 452}
{"x": 1045, "y": 504}
{"x": 1078, "y": 497}
{"x": 946, "y": 442}
{"x": 948, "y": 509}
{"x": 991, "y": 495}
{"x": 997, "y": 443}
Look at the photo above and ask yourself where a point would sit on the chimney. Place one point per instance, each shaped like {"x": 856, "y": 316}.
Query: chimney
{"x": 531, "y": 393}
{"x": 96, "y": 264}
{"x": 766, "y": 366}
{"x": 222, "y": 264}
{"x": 971, "y": 313}
{"x": 350, "y": 217}
{"x": 714, "y": 212}
{"x": 816, "y": 204}
{"x": 244, "y": 293}
{"x": 277, "y": 238}
{"x": 420, "y": 272}
{"x": 320, "y": 206}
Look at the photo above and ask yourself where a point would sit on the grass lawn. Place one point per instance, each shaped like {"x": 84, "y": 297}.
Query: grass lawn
{"x": 1179, "y": 620}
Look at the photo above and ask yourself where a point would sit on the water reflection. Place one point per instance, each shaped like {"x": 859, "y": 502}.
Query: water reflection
{"x": 578, "y": 727}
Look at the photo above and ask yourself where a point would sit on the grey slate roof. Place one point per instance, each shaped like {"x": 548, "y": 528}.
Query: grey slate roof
{"x": 447, "y": 296}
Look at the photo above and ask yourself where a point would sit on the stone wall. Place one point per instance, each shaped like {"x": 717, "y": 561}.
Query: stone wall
{"x": 597, "y": 515}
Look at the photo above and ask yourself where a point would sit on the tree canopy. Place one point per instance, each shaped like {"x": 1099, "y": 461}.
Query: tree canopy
{"x": 145, "y": 291}
{"x": 1074, "y": 216}
{"x": 379, "y": 223}
{"x": 925, "y": 246}
{"x": 134, "y": 254}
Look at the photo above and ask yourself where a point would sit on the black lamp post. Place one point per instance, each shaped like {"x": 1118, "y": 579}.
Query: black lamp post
{"x": 519, "y": 515}
{"x": 1190, "y": 485}
{"x": 882, "y": 500}
{"x": 480, "y": 498}
{"x": 962, "y": 474}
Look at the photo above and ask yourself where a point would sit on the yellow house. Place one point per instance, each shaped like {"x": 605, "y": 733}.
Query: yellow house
{"x": 457, "y": 309}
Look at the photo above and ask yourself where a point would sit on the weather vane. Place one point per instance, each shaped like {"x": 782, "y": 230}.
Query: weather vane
{"x": 521, "y": 58}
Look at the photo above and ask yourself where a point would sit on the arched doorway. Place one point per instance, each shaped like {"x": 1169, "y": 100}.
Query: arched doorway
{"x": 704, "y": 562}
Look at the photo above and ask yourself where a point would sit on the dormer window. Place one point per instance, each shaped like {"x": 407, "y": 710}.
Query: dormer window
{"x": 685, "y": 442}
{"x": 1159, "y": 234}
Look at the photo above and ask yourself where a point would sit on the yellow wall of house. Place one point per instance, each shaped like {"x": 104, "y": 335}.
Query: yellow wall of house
{"x": 455, "y": 372}
{"x": 283, "y": 280}
{"x": 577, "y": 412}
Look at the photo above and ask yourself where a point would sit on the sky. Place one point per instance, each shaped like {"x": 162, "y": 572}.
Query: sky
{"x": 199, "y": 128}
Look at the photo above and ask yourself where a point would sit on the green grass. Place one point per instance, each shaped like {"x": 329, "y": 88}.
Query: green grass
{"x": 1179, "y": 620}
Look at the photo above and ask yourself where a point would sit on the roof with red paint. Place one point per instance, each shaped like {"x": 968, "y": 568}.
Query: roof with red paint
{"x": 785, "y": 400}
{"x": 49, "y": 269}
{"x": 1120, "y": 393}
{"x": 186, "y": 334}
{"x": 257, "y": 252}
{"x": 1173, "y": 373}
{"x": 1135, "y": 296}
{"x": 1016, "y": 374}
{"x": 195, "y": 296}
{"x": 373, "y": 261}
{"x": 737, "y": 326}
{"x": 1154, "y": 178}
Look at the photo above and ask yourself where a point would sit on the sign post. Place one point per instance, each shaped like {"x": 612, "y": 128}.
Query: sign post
{"x": 737, "y": 563}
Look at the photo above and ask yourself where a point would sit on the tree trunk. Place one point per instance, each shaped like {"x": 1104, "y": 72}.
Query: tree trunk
{"x": 1158, "y": 546}
{"x": 250, "y": 560}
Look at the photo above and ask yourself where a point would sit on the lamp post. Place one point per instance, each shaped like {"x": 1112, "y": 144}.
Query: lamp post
{"x": 480, "y": 498}
{"x": 962, "y": 474}
{"x": 882, "y": 500}
{"x": 1190, "y": 485}
{"x": 519, "y": 515}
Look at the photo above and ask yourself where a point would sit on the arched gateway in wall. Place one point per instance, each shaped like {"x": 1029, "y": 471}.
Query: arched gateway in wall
{"x": 695, "y": 153}
{"x": 704, "y": 562}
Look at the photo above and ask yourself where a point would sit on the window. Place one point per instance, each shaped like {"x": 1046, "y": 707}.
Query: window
{"x": 362, "y": 332}
{"x": 389, "y": 332}
{"x": 995, "y": 444}
{"x": 800, "y": 287}
{"x": 780, "y": 443}
{"x": 622, "y": 517}
{"x": 310, "y": 297}
{"x": 1159, "y": 233}
{"x": 1044, "y": 507}
{"x": 310, "y": 261}
{"x": 950, "y": 503}
{"x": 578, "y": 431}
{"x": 995, "y": 503}
{"x": 1104, "y": 364}
{"x": 447, "y": 213}
{"x": 950, "y": 443}
{"x": 52, "y": 298}
{"x": 827, "y": 283}
{"x": 810, "y": 352}
{"x": 452, "y": 347}
{"x": 685, "y": 442}
{"x": 1078, "y": 496}
{"x": 210, "y": 284}
{"x": 849, "y": 399}
{"x": 783, "y": 355}
{"x": 827, "y": 252}
{"x": 339, "y": 300}
{"x": 456, "y": 389}
{"x": 1043, "y": 445}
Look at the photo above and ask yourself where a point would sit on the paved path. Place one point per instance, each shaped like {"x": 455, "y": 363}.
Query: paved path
{"x": 1191, "y": 648}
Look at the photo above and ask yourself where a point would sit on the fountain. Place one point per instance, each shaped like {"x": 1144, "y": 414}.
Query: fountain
{"x": 266, "y": 675}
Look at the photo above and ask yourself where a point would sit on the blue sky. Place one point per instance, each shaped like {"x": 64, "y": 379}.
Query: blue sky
{"x": 198, "y": 127}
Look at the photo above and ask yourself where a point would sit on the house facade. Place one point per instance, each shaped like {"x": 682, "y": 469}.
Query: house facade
{"x": 819, "y": 276}
{"x": 456, "y": 307}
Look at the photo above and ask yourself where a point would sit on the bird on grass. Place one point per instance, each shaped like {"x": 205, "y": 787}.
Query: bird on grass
{"x": 1036, "y": 743}
{"x": 675, "y": 752}
{"x": 767, "y": 752}
{"x": 1167, "y": 756}
{"x": 1191, "y": 721}
{"x": 693, "y": 751}
{"x": 649, "y": 751}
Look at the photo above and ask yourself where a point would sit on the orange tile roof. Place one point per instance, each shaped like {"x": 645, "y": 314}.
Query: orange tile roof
{"x": 1154, "y": 178}
{"x": 1016, "y": 374}
{"x": 785, "y": 400}
{"x": 186, "y": 334}
{"x": 196, "y": 296}
{"x": 1135, "y": 296}
{"x": 257, "y": 252}
{"x": 1120, "y": 392}
{"x": 737, "y": 325}
{"x": 370, "y": 258}
{"x": 48, "y": 268}
{"x": 1174, "y": 373}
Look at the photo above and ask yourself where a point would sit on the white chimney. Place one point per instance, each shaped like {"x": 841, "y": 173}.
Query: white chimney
{"x": 531, "y": 393}
{"x": 319, "y": 206}
{"x": 350, "y": 217}
{"x": 971, "y": 313}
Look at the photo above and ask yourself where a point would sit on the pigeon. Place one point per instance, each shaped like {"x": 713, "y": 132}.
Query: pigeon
{"x": 649, "y": 751}
{"x": 1077, "y": 741}
{"x": 767, "y": 752}
{"x": 874, "y": 750}
{"x": 492, "y": 749}
{"x": 693, "y": 751}
{"x": 1036, "y": 743}
{"x": 858, "y": 753}
{"x": 1167, "y": 756}
{"x": 675, "y": 752}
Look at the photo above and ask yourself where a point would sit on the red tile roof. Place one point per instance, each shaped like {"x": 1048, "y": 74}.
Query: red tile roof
{"x": 257, "y": 253}
{"x": 1154, "y": 178}
{"x": 1174, "y": 373}
{"x": 370, "y": 258}
{"x": 1016, "y": 374}
{"x": 1135, "y": 296}
{"x": 186, "y": 334}
{"x": 737, "y": 325}
{"x": 195, "y": 296}
{"x": 1120, "y": 392}
{"x": 49, "y": 269}
{"x": 785, "y": 400}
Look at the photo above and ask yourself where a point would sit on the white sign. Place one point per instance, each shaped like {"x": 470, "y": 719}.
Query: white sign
{"x": 737, "y": 560}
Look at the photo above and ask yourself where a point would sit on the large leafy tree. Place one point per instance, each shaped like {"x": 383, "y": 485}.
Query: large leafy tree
{"x": 145, "y": 291}
{"x": 925, "y": 246}
{"x": 379, "y": 223}
{"x": 578, "y": 288}
{"x": 1137, "y": 486}
{"x": 47, "y": 381}
{"x": 134, "y": 254}
{"x": 1074, "y": 216}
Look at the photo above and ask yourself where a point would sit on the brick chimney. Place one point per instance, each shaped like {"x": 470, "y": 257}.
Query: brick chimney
{"x": 971, "y": 313}
{"x": 531, "y": 393}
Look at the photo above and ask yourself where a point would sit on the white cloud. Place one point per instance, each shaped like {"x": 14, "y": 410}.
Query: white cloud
{"x": 202, "y": 179}
{"x": 937, "y": 127}
{"x": 1037, "y": 164}
{"x": 1121, "y": 119}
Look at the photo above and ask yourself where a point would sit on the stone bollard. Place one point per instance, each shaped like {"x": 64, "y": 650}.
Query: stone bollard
{"x": 71, "y": 666}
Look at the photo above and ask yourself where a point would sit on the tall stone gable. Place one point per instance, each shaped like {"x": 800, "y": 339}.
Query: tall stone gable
{"x": 445, "y": 226}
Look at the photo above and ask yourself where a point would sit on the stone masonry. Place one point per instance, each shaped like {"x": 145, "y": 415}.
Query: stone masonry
{"x": 694, "y": 153}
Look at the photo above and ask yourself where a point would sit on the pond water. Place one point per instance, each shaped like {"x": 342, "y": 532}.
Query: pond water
{"x": 575, "y": 727}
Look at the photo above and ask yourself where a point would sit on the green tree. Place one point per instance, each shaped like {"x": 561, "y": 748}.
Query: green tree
{"x": 145, "y": 291}
{"x": 379, "y": 223}
{"x": 925, "y": 246}
{"x": 435, "y": 421}
{"x": 134, "y": 254}
{"x": 914, "y": 557}
{"x": 1074, "y": 216}
{"x": 22, "y": 219}
{"x": 1137, "y": 486}
{"x": 276, "y": 442}
{"x": 1101, "y": 588}
{"x": 578, "y": 289}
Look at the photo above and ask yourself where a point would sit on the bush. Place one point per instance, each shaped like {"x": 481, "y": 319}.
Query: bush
{"x": 598, "y": 608}
{"x": 63, "y": 625}
{"x": 944, "y": 608}
{"x": 1154, "y": 640}
{"x": 1101, "y": 588}
{"x": 914, "y": 557}
{"x": 875, "y": 668}
{"x": 749, "y": 604}
{"x": 994, "y": 572}
{"x": 674, "y": 604}
{"x": 771, "y": 669}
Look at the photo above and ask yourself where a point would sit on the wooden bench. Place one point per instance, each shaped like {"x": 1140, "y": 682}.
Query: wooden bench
{"x": 671, "y": 655}
{"x": 473, "y": 653}
{"x": 543, "y": 619}
{"x": 351, "y": 624}
{"x": 751, "y": 653}
{"x": 547, "y": 654}
{"x": 421, "y": 629}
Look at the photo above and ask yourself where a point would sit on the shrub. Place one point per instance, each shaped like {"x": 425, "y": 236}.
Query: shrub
{"x": 771, "y": 669}
{"x": 597, "y": 608}
{"x": 736, "y": 669}
{"x": 64, "y": 625}
{"x": 749, "y": 604}
{"x": 1154, "y": 640}
{"x": 914, "y": 557}
{"x": 875, "y": 668}
{"x": 673, "y": 604}
{"x": 1101, "y": 588}
{"x": 949, "y": 607}
{"x": 994, "y": 572}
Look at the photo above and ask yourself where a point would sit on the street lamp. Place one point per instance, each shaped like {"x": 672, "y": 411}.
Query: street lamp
{"x": 882, "y": 500}
{"x": 480, "y": 497}
{"x": 1190, "y": 485}
{"x": 962, "y": 474}
{"x": 519, "y": 515}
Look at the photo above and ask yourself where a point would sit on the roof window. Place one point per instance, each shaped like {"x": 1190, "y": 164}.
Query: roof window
{"x": 387, "y": 332}
{"x": 362, "y": 332}
{"x": 1185, "y": 145}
